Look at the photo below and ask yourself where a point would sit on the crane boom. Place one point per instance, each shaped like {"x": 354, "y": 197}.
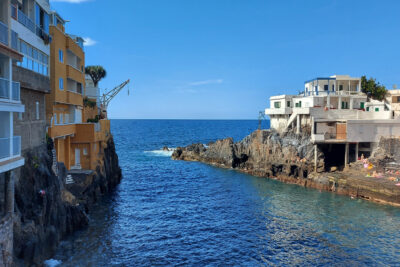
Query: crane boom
{"x": 107, "y": 97}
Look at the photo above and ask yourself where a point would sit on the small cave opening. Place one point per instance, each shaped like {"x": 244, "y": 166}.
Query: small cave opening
{"x": 333, "y": 155}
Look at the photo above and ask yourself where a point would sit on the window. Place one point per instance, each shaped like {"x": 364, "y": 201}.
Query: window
{"x": 362, "y": 104}
{"x": 37, "y": 111}
{"x": 61, "y": 118}
{"x": 85, "y": 151}
{"x": 55, "y": 118}
{"x": 326, "y": 87}
{"x": 20, "y": 116}
{"x": 61, "y": 56}
{"x": 367, "y": 108}
{"x": 345, "y": 105}
{"x": 341, "y": 87}
{"x": 299, "y": 104}
{"x": 288, "y": 104}
{"x": 398, "y": 99}
{"x": 277, "y": 104}
{"x": 33, "y": 59}
{"x": 61, "y": 83}
{"x": 333, "y": 87}
{"x": 376, "y": 109}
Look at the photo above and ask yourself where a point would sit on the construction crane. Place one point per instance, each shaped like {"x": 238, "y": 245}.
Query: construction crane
{"x": 108, "y": 96}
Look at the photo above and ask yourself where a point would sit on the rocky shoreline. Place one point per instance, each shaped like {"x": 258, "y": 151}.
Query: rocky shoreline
{"x": 290, "y": 158}
{"x": 47, "y": 209}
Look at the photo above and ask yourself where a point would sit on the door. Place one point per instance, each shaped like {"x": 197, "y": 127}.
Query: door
{"x": 77, "y": 157}
{"x": 341, "y": 131}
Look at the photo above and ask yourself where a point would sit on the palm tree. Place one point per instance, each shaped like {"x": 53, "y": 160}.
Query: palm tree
{"x": 96, "y": 73}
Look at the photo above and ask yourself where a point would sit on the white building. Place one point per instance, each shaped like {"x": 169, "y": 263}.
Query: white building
{"x": 340, "y": 118}
{"x": 91, "y": 91}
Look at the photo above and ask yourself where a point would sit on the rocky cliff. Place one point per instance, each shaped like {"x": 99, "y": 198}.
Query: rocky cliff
{"x": 290, "y": 158}
{"x": 47, "y": 209}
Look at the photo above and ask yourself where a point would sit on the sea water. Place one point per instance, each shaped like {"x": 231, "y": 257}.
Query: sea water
{"x": 168, "y": 212}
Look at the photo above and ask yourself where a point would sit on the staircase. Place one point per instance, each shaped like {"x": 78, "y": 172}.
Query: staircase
{"x": 54, "y": 165}
{"x": 291, "y": 119}
{"x": 69, "y": 179}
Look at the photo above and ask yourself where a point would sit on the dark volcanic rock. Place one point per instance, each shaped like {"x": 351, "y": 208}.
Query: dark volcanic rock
{"x": 41, "y": 221}
{"x": 264, "y": 152}
{"x": 290, "y": 159}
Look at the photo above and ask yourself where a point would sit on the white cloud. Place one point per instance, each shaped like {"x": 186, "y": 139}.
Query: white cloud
{"x": 88, "y": 41}
{"x": 70, "y": 1}
{"x": 216, "y": 81}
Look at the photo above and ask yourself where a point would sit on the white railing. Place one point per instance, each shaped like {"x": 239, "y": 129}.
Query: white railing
{"x": 5, "y": 90}
{"x": 3, "y": 33}
{"x": 334, "y": 93}
{"x": 5, "y": 147}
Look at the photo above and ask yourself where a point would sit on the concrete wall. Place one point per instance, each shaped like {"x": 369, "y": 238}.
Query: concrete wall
{"x": 279, "y": 122}
{"x": 371, "y": 130}
{"x": 31, "y": 130}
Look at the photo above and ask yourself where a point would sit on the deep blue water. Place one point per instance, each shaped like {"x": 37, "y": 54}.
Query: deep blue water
{"x": 168, "y": 212}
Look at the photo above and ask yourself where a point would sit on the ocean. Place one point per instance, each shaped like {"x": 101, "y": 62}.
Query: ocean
{"x": 168, "y": 212}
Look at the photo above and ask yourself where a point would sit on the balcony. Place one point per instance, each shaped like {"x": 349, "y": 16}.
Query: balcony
{"x": 5, "y": 90}
{"x": 10, "y": 148}
{"x": 3, "y": 34}
{"x": 75, "y": 74}
{"x": 278, "y": 111}
{"x": 334, "y": 93}
{"x": 22, "y": 18}
{"x": 62, "y": 130}
{"x": 74, "y": 98}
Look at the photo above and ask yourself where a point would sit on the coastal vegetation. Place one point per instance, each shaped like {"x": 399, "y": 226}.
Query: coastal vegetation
{"x": 373, "y": 88}
{"x": 96, "y": 73}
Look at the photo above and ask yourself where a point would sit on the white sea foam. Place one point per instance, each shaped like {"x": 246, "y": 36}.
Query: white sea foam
{"x": 52, "y": 263}
{"x": 162, "y": 153}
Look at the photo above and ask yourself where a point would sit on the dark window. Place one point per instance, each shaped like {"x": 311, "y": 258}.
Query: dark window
{"x": 326, "y": 88}
{"x": 341, "y": 87}
{"x": 288, "y": 104}
{"x": 333, "y": 87}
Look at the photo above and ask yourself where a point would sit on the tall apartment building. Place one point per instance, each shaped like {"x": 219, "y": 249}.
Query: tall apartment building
{"x": 10, "y": 144}
{"x": 78, "y": 143}
{"x": 30, "y": 20}
{"x": 65, "y": 103}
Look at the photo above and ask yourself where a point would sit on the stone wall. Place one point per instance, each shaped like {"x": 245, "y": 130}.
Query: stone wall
{"x": 26, "y": 125}
{"x": 6, "y": 240}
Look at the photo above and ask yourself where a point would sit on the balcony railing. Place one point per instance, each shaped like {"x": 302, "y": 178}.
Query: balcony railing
{"x": 5, "y": 90}
{"x": 14, "y": 40}
{"x": 26, "y": 21}
{"x": 3, "y": 33}
{"x": 334, "y": 93}
{"x": 6, "y": 146}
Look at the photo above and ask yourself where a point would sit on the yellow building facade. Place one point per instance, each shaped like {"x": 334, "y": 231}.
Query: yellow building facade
{"x": 78, "y": 144}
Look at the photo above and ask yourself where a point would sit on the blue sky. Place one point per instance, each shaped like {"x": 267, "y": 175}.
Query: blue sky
{"x": 223, "y": 59}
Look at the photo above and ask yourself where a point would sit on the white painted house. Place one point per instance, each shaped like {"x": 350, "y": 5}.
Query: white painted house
{"x": 337, "y": 114}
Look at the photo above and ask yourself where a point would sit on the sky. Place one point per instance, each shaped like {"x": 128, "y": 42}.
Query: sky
{"x": 223, "y": 59}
